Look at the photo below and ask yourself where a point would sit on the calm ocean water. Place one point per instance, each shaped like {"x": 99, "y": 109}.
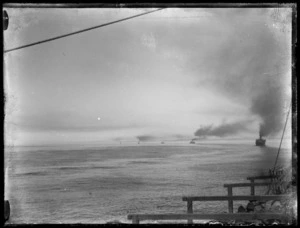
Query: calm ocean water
{"x": 97, "y": 184}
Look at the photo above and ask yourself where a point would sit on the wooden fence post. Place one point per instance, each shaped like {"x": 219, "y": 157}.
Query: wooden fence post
{"x": 135, "y": 220}
{"x": 190, "y": 210}
{"x": 252, "y": 188}
{"x": 230, "y": 201}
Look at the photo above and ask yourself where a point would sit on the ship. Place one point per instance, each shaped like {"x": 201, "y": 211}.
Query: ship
{"x": 260, "y": 141}
{"x": 192, "y": 141}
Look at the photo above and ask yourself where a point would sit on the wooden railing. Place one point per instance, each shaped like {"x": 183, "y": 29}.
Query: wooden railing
{"x": 190, "y": 216}
{"x": 230, "y": 200}
{"x": 252, "y": 186}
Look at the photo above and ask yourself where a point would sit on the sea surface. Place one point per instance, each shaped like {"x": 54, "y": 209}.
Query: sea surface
{"x": 102, "y": 183}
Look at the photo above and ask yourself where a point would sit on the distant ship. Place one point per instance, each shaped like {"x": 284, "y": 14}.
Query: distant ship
{"x": 192, "y": 141}
{"x": 260, "y": 141}
{"x": 162, "y": 142}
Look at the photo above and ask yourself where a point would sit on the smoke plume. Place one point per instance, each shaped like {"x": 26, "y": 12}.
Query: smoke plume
{"x": 222, "y": 130}
{"x": 269, "y": 106}
{"x": 144, "y": 138}
{"x": 251, "y": 67}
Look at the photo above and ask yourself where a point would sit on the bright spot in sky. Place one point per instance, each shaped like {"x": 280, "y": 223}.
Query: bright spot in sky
{"x": 98, "y": 118}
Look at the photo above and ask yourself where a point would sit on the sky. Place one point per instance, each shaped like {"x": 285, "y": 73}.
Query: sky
{"x": 175, "y": 73}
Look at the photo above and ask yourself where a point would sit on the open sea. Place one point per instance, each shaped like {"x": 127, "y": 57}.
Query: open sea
{"x": 102, "y": 183}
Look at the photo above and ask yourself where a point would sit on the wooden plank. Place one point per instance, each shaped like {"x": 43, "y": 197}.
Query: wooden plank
{"x": 218, "y": 217}
{"x": 261, "y": 177}
{"x": 225, "y": 198}
{"x": 247, "y": 184}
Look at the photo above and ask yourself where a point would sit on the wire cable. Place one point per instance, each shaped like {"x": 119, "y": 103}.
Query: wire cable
{"x": 282, "y": 136}
{"x": 80, "y": 31}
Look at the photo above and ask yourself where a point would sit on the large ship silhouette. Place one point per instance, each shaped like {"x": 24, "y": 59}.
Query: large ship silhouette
{"x": 260, "y": 141}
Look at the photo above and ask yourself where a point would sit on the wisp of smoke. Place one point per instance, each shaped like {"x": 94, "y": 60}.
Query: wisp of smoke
{"x": 145, "y": 137}
{"x": 222, "y": 130}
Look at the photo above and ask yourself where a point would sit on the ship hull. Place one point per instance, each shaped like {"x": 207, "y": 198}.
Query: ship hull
{"x": 260, "y": 142}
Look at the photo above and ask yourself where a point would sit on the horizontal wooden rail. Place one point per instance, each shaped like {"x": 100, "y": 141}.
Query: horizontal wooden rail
{"x": 247, "y": 184}
{"x": 224, "y": 198}
{"x": 136, "y": 218}
{"x": 261, "y": 177}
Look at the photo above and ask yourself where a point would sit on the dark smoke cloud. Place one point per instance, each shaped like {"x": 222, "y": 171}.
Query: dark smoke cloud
{"x": 179, "y": 136}
{"x": 145, "y": 138}
{"x": 222, "y": 130}
{"x": 249, "y": 64}
{"x": 270, "y": 110}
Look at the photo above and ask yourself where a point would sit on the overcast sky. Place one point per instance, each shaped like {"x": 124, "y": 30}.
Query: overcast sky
{"x": 164, "y": 74}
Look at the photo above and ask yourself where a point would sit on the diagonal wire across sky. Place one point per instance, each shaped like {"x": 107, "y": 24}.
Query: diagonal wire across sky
{"x": 80, "y": 31}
